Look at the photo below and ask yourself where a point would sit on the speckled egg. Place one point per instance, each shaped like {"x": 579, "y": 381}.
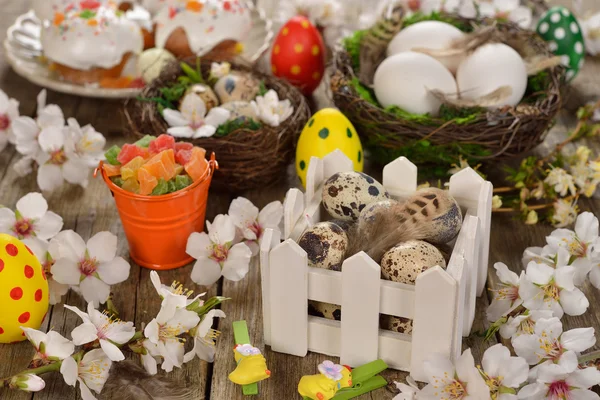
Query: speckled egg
{"x": 206, "y": 94}
{"x": 368, "y": 213}
{"x": 405, "y": 261}
{"x": 237, "y": 87}
{"x": 23, "y": 290}
{"x": 436, "y": 210}
{"x": 325, "y": 310}
{"x": 396, "y": 324}
{"x": 325, "y": 244}
{"x": 346, "y": 194}
{"x": 239, "y": 109}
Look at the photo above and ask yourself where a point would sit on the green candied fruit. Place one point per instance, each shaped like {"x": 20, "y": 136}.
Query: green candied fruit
{"x": 182, "y": 181}
{"x": 145, "y": 141}
{"x": 172, "y": 186}
{"x": 161, "y": 188}
{"x": 112, "y": 154}
{"x": 117, "y": 181}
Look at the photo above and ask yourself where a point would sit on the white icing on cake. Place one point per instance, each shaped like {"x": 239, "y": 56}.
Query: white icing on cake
{"x": 206, "y": 22}
{"x": 154, "y": 6}
{"x": 45, "y": 9}
{"x": 91, "y": 38}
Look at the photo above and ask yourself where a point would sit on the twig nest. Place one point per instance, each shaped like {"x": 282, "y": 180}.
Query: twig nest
{"x": 404, "y": 262}
{"x": 346, "y": 194}
{"x": 239, "y": 109}
{"x": 325, "y": 244}
{"x": 205, "y": 93}
{"x": 369, "y": 212}
{"x": 437, "y": 213}
{"x": 237, "y": 86}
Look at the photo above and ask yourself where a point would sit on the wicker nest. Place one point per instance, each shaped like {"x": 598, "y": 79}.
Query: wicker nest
{"x": 247, "y": 158}
{"x": 498, "y": 135}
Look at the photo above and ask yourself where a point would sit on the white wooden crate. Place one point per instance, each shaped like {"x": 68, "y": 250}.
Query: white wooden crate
{"x": 441, "y": 303}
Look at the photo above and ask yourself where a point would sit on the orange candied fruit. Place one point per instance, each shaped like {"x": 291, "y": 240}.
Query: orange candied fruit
{"x": 111, "y": 170}
{"x": 161, "y": 165}
{"x": 197, "y": 165}
{"x": 147, "y": 182}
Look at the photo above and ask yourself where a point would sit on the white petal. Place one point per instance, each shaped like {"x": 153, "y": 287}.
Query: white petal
{"x": 52, "y": 139}
{"x": 86, "y": 394}
{"x": 58, "y": 346}
{"x": 102, "y": 246}
{"x": 206, "y": 352}
{"x": 465, "y": 364}
{"x": 535, "y": 391}
{"x": 24, "y": 166}
{"x": 41, "y": 103}
{"x": 206, "y": 272}
{"x": 183, "y": 321}
{"x": 579, "y": 339}
{"x": 217, "y": 116}
{"x": 34, "y": 336}
{"x": 181, "y": 132}
{"x": 515, "y": 372}
{"x": 49, "y": 177}
{"x": 152, "y": 330}
{"x": 111, "y": 350}
{"x": 76, "y": 172}
{"x": 94, "y": 290}
{"x": 149, "y": 363}
{"x": 242, "y": 212}
{"x": 586, "y": 227}
{"x": 66, "y": 271}
{"x": 497, "y": 309}
{"x": 539, "y": 274}
{"x": 564, "y": 277}
{"x": 523, "y": 16}
{"x": 222, "y": 230}
{"x": 84, "y": 333}
{"x": 193, "y": 107}
{"x": 71, "y": 245}
{"x": 494, "y": 358}
{"x": 207, "y": 322}
{"x": 174, "y": 118}
{"x": 7, "y": 220}
{"x": 198, "y": 245}
{"x": 582, "y": 394}
{"x": 50, "y": 116}
{"x": 237, "y": 264}
{"x": 84, "y": 317}
{"x": 48, "y": 226}
{"x": 594, "y": 276}
{"x": 33, "y": 383}
{"x": 69, "y": 371}
{"x": 437, "y": 367}
{"x": 584, "y": 378}
{"x": 32, "y": 206}
{"x": 270, "y": 216}
{"x": 204, "y": 131}
{"x": 114, "y": 271}
{"x": 568, "y": 361}
{"x": 573, "y": 302}
{"x": 525, "y": 347}
{"x": 551, "y": 327}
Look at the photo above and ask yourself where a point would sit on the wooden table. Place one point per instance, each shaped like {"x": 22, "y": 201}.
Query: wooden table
{"x": 92, "y": 210}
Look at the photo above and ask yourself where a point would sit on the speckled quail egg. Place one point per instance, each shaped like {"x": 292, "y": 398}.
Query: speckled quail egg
{"x": 405, "y": 261}
{"x": 325, "y": 244}
{"x": 346, "y": 194}
{"x": 437, "y": 212}
{"x": 325, "y": 310}
{"x": 206, "y": 94}
{"x": 369, "y": 212}
{"x": 396, "y": 324}
{"x": 239, "y": 109}
{"x": 237, "y": 86}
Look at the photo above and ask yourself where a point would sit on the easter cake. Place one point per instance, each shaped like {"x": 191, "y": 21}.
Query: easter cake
{"x": 195, "y": 28}
{"x": 90, "y": 44}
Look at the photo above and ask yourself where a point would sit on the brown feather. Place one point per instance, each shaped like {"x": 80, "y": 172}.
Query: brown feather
{"x": 490, "y": 99}
{"x": 129, "y": 381}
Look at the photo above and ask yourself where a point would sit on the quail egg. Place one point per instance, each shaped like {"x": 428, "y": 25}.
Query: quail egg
{"x": 325, "y": 310}
{"x": 405, "y": 261}
{"x": 237, "y": 87}
{"x": 346, "y": 194}
{"x": 325, "y": 244}
{"x": 369, "y": 212}
{"x": 396, "y": 324}
{"x": 206, "y": 94}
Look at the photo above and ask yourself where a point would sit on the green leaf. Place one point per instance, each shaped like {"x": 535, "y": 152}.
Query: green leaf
{"x": 112, "y": 154}
{"x": 191, "y": 73}
{"x": 262, "y": 88}
{"x": 145, "y": 141}
{"x": 161, "y": 188}
{"x": 238, "y": 123}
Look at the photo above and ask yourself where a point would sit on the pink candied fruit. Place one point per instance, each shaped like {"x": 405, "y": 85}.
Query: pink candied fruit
{"x": 161, "y": 143}
{"x": 182, "y": 157}
{"x": 183, "y": 146}
{"x": 131, "y": 151}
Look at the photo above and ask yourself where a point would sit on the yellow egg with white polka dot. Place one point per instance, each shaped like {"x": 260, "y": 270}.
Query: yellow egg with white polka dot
{"x": 23, "y": 290}
{"x": 326, "y": 131}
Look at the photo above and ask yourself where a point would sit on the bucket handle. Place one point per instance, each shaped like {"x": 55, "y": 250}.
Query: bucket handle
{"x": 213, "y": 165}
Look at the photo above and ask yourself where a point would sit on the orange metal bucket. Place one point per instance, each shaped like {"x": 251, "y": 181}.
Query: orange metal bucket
{"x": 158, "y": 227}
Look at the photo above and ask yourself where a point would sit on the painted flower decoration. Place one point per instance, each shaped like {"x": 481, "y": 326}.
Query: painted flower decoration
{"x": 91, "y": 266}
{"x": 47, "y": 253}
{"x": 463, "y": 382}
{"x": 50, "y": 346}
{"x": 192, "y": 121}
{"x": 331, "y": 370}
{"x": 164, "y": 330}
{"x": 107, "y": 330}
{"x": 550, "y": 345}
{"x": 9, "y": 111}
{"x": 547, "y": 288}
{"x": 91, "y": 372}
{"x": 271, "y": 111}
{"x": 204, "y": 338}
{"x": 554, "y": 382}
{"x": 247, "y": 350}
{"x": 216, "y": 254}
{"x": 253, "y": 223}
{"x": 31, "y": 221}
{"x": 523, "y": 324}
{"x": 507, "y": 298}
{"x": 219, "y": 70}
{"x": 502, "y": 373}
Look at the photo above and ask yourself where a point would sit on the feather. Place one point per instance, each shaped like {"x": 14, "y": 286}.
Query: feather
{"x": 463, "y": 45}
{"x": 496, "y": 97}
{"x": 128, "y": 381}
{"x": 538, "y": 64}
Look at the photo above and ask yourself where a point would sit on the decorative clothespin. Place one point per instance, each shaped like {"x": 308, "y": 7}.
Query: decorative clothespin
{"x": 251, "y": 364}
{"x": 340, "y": 382}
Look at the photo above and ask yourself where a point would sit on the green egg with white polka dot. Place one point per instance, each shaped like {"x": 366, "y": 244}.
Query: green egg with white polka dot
{"x": 326, "y": 131}
{"x": 559, "y": 27}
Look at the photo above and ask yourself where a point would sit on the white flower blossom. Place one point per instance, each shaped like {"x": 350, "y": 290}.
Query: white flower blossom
{"x": 502, "y": 373}
{"x": 562, "y": 181}
{"x": 176, "y": 293}
{"x": 87, "y": 143}
{"x": 204, "y": 338}
{"x": 50, "y": 346}
{"x": 47, "y": 253}
{"x": 407, "y": 392}
{"x": 9, "y": 112}
{"x": 193, "y": 121}
{"x": 99, "y": 326}
{"x": 511, "y": 10}
{"x": 507, "y": 298}
{"x": 27, "y": 383}
{"x": 523, "y": 324}
{"x": 31, "y": 221}
{"x": 271, "y": 111}
{"x": 554, "y": 382}
{"x": 91, "y": 267}
{"x": 216, "y": 254}
{"x": 24, "y": 166}
{"x": 253, "y": 223}
{"x": 91, "y": 372}
{"x": 565, "y": 212}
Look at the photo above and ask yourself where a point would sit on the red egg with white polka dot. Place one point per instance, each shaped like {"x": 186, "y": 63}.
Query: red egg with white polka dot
{"x": 23, "y": 290}
{"x": 298, "y": 54}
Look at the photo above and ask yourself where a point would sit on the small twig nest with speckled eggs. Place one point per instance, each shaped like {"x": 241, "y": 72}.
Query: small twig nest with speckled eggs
{"x": 250, "y": 154}
{"x": 470, "y": 106}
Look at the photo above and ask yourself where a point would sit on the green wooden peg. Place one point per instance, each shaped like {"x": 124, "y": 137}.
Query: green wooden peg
{"x": 241, "y": 336}
{"x": 365, "y": 379}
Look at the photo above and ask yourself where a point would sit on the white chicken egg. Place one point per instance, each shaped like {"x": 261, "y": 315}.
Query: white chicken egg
{"x": 433, "y": 35}
{"x": 490, "y": 67}
{"x": 405, "y": 79}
